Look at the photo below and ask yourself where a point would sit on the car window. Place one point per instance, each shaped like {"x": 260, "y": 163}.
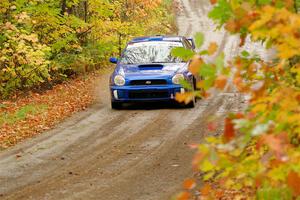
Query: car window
{"x": 150, "y": 52}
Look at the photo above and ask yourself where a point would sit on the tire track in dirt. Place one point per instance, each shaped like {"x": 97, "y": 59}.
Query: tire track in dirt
{"x": 152, "y": 127}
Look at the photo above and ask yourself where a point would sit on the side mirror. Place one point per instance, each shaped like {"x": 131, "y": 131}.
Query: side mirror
{"x": 113, "y": 60}
{"x": 191, "y": 40}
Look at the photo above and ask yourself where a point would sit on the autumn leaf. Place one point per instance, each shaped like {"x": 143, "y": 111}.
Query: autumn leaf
{"x": 273, "y": 142}
{"x": 193, "y": 146}
{"x": 200, "y": 84}
{"x": 205, "y": 94}
{"x": 186, "y": 97}
{"x": 195, "y": 64}
{"x": 232, "y": 26}
{"x": 293, "y": 181}
{"x": 189, "y": 184}
{"x": 183, "y": 196}
{"x": 213, "y": 47}
{"x": 198, "y": 158}
{"x": 229, "y": 132}
{"x": 213, "y": 1}
{"x": 258, "y": 181}
{"x": 211, "y": 126}
{"x": 239, "y": 83}
{"x": 221, "y": 82}
{"x": 276, "y": 143}
{"x": 206, "y": 190}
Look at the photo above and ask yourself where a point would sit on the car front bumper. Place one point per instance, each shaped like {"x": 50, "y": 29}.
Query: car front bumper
{"x": 144, "y": 93}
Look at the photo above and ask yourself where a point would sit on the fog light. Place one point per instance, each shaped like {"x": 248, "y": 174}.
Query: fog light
{"x": 116, "y": 94}
{"x": 182, "y": 90}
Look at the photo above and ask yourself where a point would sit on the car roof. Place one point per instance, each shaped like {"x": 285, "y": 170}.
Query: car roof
{"x": 157, "y": 38}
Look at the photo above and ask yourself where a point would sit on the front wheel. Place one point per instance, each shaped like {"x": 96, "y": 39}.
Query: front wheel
{"x": 194, "y": 100}
{"x": 116, "y": 105}
{"x": 191, "y": 104}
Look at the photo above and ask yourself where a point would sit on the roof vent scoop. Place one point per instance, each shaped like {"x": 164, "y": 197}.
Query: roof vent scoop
{"x": 150, "y": 67}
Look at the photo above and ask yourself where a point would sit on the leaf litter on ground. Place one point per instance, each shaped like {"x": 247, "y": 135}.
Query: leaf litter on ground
{"x": 26, "y": 117}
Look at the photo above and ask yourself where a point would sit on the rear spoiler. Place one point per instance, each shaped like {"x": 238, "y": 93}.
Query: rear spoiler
{"x": 191, "y": 40}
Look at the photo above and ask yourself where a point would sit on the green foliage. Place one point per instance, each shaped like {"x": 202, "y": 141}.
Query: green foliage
{"x": 222, "y": 12}
{"x": 199, "y": 40}
{"x": 274, "y": 194}
{"x": 183, "y": 53}
{"x": 263, "y": 2}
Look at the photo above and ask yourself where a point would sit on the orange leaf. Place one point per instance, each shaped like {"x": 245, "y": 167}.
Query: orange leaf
{"x": 193, "y": 146}
{"x": 241, "y": 86}
{"x": 239, "y": 115}
{"x": 276, "y": 143}
{"x": 298, "y": 98}
{"x": 184, "y": 97}
{"x": 221, "y": 82}
{"x": 219, "y": 194}
{"x": 232, "y": 26}
{"x": 183, "y": 196}
{"x": 258, "y": 181}
{"x": 273, "y": 142}
{"x": 205, "y": 190}
{"x": 229, "y": 132}
{"x": 211, "y": 126}
{"x": 197, "y": 159}
{"x": 293, "y": 181}
{"x": 200, "y": 85}
{"x": 275, "y": 163}
{"x": 289, "y": 3}
{"x": 213, "y": 47}
{"x": 189, "y": 184}
{"x": 213, "y": 1}
{"x": 194, "y": 66}
{"x": 205, "y": 94}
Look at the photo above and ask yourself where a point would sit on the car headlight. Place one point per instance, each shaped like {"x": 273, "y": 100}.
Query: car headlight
{"x": 177, "y": 78}
{"x": 119, "y": 80}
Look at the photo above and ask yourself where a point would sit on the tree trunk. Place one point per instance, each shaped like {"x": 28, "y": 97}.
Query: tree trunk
{"x": 86, "y": 11}
{"x": 63, "y": 7}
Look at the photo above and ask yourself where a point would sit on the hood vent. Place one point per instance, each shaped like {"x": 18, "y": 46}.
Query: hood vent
{"x": 151, "y": 67}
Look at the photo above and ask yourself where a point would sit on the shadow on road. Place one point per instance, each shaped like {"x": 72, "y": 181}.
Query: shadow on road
{"x": 152, "y": 106}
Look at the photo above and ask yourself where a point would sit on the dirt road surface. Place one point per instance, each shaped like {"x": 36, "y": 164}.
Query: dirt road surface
{"x": 140, "y": 153}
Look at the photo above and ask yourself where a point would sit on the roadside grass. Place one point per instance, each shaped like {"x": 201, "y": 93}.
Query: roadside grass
{"x": 21, "y": 113}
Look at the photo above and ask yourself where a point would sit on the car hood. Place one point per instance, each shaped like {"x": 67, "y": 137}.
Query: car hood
{"x": 152, "y": 69}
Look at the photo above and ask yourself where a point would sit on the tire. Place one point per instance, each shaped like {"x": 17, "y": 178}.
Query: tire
{"x": 195, "y": 81}
{"x": 116, "y": 105}
{"x": 191, "y": 104}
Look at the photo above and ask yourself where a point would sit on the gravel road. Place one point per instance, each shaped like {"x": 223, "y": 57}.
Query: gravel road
{"x": 140, "y": 153}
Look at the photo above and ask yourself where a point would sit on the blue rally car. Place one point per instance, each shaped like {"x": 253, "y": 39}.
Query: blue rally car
{"x": 147, "y": 72}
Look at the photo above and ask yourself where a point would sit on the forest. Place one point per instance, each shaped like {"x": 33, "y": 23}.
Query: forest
{"x": 44, "y": 42}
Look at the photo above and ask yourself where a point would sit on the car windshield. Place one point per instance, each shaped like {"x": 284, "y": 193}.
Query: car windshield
{"x": 150, "y": 52}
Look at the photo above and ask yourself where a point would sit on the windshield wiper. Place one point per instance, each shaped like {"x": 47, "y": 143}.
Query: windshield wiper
{"x": 161, "y": 62}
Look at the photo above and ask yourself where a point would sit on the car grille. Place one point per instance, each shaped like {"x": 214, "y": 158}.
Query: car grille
{"x": 148, "y": 94}
{"x": 148, "y": 82}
